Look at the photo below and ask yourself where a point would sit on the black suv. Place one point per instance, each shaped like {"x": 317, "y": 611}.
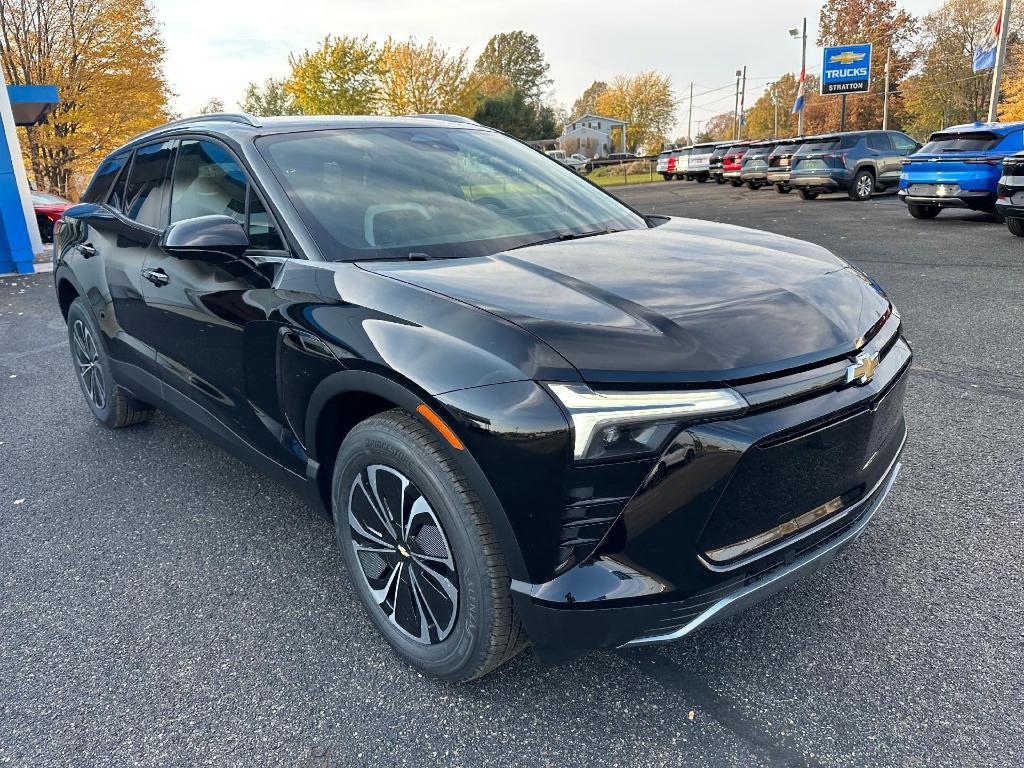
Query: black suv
{"x": 534, "y": 414}
{"x": 754, "y": 172}
{"x": 858, "y": 163}
{"x": 779, "y": 162}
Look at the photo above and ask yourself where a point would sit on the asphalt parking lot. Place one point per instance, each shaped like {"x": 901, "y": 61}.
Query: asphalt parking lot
{"x": 163, "y": 604}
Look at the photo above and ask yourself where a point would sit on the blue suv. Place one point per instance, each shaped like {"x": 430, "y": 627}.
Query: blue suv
{"x": 959, "y": 167}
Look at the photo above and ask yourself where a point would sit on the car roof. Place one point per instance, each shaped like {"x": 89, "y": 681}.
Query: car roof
{"x": 241, "y": 126}
{"x": 998, "y": 128}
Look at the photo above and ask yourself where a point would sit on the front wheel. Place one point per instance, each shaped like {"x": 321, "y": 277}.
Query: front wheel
{"x": 863, "y": 185}
{"x": 421, "y": 552}
{"x": 1016, "y": 226}
{"x": 919, "y": 211}
{"x": 807, "y": 194}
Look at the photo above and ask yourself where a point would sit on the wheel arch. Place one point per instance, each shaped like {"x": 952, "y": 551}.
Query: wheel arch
{"x": 344, "y": 399}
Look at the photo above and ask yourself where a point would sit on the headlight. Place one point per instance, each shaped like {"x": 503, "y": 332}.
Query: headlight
{"x": 616, "y": 424}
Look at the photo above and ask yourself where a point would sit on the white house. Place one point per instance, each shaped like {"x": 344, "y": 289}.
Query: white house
{"x": 591, "y": 135}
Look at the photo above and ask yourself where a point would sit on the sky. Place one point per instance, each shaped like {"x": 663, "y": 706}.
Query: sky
{"x": 216, "y": 47}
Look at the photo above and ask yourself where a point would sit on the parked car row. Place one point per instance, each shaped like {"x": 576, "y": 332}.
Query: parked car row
{"x": 979, "y": 167}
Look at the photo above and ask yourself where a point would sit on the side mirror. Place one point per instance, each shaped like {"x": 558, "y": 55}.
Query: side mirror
{"x": 205, "y": 238}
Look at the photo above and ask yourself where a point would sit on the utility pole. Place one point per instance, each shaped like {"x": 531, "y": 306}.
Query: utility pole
{"x": 743, "y": 97}
{"x": 842, "y": 112}
{"x": 689, "y": 120}
{"x": 736, "y": 109}
{"x": 775, "y": 103}
{"x": 997, "y": 71}
{"x": 885, "y": 96}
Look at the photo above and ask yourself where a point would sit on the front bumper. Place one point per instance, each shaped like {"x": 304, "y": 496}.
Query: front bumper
{"x": 659, "y": 572}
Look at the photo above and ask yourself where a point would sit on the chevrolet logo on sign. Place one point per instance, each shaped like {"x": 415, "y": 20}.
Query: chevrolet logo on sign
{"x": 863, "y": 368}
{"x": 846, "y": 57}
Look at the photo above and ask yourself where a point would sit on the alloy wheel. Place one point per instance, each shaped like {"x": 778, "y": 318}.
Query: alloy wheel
{"x": 864, "y": 186}
{"x": 87, "y": 358}
{"x": 403, "y": 554}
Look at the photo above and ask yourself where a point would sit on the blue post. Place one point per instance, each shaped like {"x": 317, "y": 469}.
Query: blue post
{"x": 15, "y": 245}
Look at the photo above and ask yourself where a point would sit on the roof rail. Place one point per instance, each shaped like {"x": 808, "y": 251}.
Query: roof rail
{"x": 223, "y": 117}
{"x": 448, "y": 118}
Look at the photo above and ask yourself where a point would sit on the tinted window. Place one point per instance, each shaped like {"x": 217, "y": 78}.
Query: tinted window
{"x": 117, "y": 194}
{"x": 757, "y": 152}
{"x": 146, "y": 182}
{"x": 902, "y": 142}
{"x": 263, "y": 235}
{"x": 878, "y": 141}
{"x": 784, "y": 149}
{"x": 207, "y": 180}
{"x": 820, "y": 145}
{"x": 977, "y": 141}
{"x": 445, "y": 191}
{"x": 104, "y": 178}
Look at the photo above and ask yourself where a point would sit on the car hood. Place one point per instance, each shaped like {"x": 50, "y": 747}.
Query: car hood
{"x": 688, "y": 301}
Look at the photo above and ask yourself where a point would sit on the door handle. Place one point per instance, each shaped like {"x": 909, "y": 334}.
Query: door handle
{"x": 156, "y": 276}
{"x": 88, "y": 250}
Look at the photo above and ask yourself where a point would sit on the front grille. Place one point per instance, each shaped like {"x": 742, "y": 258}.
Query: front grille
{"x": 584, "y": 524}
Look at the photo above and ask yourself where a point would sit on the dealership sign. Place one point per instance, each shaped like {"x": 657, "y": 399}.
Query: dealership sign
{"x": 846, "y": 69}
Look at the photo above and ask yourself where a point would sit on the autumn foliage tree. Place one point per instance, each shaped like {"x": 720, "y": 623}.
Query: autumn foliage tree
{"x": 106, "y": 59}
{"x": 646, "y": 103}
{"x": 517, "y": 57}
{"x": 419, "y": 78}
{"x": 338, "y": 77}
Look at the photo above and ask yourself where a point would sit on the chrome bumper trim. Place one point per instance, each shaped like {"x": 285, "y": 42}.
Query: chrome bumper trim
{"x": 775, "y": 581}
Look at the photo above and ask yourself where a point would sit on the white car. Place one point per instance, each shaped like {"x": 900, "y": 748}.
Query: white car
{"x": 575, "y": 161}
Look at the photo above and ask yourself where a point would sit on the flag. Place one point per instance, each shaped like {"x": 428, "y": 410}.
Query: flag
{"x": 743, "y": 118}
{"x": 985, "y": 53}
{"x": 798, "y": 105}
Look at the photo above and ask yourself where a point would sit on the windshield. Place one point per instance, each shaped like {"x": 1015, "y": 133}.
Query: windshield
{"x": 368, "y": 193}
{"x": 819, "y": 145}
{"x": 42, "y": 198}
{"x": 757, "y": 152}
{"x": 784, "y": 149}
{"x": 961, "y": 142}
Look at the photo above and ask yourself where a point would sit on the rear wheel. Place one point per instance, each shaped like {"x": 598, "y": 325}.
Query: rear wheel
{"x": 701, "y": 179}
{"x": 782, "y": 189}
{"x": 863, "y": 185}
{"x": 808, "y": 194}
{"x": 719, "y": 180}
{"x": 736, "y": 182}
{"x": 753, "y": 185}
{"x": 667, "y": 176}
{"x": 919, "y": 211}
{"x": 420, "y": 551}
{"x": 111, "y": 405}
{"x": 1016, "y": 226}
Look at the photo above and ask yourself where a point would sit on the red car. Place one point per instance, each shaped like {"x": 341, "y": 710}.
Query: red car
{"x": 732, "y": 162}
{"x": 49, "y": 209}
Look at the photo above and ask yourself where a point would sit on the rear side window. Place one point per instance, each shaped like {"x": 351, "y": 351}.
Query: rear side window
{"x": 104, "y": 178}
{"x": 820, "y": 145}
{"x": 144, "y": 194}
{"x": 975, "y": 141}
{"x": 878, "y": 141}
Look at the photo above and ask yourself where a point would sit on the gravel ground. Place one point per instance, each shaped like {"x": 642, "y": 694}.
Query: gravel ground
{"x": 163, "y": 604}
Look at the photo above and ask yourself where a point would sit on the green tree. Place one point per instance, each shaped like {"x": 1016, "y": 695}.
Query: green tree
{"x": 645, "y": 102}
{"x": 512, "y": 113}
{"x": 588, "y": 99}
{"x": 339, "y": 77}
{"x": 880, "y": 22}
{"x": 106, "y": 58}
{"x": 417, "y": 78}
{"x": 268, "y": 99}
{"x": 517, "y": 57}
{"x": 212, "y": 106}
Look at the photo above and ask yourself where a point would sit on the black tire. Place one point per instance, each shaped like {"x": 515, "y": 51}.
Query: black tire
{"x": 754, "y": 185}
{"x": 701, "y": 179}
{"x": 679, "y": 177}
{"x": 484, "y": 632}
{"x": 1016, "y": 226}
{"x": 45, "y": 228}
{"x": 111, "y": 405}
{"x": 919, "y": 211}
{"x": 807, "y": 194}
{"x": 736, "y": 182}
{"x": 667, "y": 176}
{"x": 862, "y": 186}
{"x": 998, "y": 217}
{"x": 782, "y": 189}
{"x": 719, "y": 180}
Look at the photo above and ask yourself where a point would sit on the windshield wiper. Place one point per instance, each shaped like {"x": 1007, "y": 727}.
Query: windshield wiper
{"x": 566, "y": 236}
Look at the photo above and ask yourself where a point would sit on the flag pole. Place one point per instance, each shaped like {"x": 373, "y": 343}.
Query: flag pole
{"x": 997, "y": 71}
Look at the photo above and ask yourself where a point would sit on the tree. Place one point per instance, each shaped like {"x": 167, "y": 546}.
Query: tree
{"x": 106, "y": 59}
{"x": 212, "y": 106}
{"x": 645, "y": 102}
{"x": 517, "y": 57}
{"x": 587, "y": 102}
{"x": 268, "y": 100}
{"x": 869, "y": 21}
{"x": 340, "y": 77}
{"x": 479, "y": 87}
{"x": 512, "y": 113}
{"x": 945, "y": 90}
{"x": 418, "y": 78}
{"x": 718, "y": 128}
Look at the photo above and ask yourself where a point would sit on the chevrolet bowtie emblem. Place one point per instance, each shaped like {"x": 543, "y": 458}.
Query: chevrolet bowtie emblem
{"x": 846, "y": 57}
{"x": 863, "y": 368}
